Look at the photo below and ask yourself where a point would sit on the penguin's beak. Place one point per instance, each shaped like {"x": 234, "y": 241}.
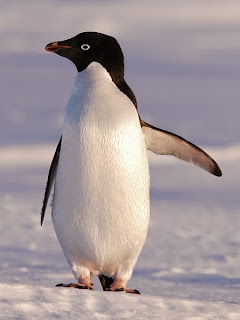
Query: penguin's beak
{"x": 55, "y": 46}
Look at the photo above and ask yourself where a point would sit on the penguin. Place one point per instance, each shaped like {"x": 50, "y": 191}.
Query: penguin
{"x": 100, "y": 171}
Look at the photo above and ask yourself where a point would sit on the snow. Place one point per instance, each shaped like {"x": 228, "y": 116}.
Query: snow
{"x": 186, "y": 80}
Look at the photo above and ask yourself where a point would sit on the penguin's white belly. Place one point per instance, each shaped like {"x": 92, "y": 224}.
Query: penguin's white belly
{"x": 101, "y": 201}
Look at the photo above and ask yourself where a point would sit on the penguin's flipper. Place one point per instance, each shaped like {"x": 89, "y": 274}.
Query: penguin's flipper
{"x": 167, "y": 143}
{"x": 51, "y": 176}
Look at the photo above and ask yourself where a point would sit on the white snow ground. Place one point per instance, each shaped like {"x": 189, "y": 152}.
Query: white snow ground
{"x": 186, "y": 78}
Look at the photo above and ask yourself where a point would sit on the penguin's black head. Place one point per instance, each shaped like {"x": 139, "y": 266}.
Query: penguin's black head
{"x": 88, "y": 47}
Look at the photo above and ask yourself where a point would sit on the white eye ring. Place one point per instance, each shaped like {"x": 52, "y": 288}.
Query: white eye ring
{"x": 85, "y": 46}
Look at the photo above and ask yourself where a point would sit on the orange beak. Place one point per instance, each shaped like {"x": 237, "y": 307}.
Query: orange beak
{"x": 54, "y": 47}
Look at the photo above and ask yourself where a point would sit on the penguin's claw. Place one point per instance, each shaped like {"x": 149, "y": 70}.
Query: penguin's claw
{"x": 114, "y": 289}
{"x": 119, "y": 285}
{"x": 127, "y": 290}
{"x": 76, "y": 285}
{"x": 134, "y": 291}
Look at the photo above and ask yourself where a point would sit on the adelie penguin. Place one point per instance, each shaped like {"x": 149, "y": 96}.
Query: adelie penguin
{"x": 100, "y": 168}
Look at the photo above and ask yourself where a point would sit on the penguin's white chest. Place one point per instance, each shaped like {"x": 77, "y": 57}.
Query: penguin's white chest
{"x": 101, "y": 202}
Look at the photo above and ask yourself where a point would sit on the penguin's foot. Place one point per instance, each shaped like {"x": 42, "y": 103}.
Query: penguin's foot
{"x": 120, "y": 285}
{"x": 75, "y": 285}
{"x": 83, "y": 283}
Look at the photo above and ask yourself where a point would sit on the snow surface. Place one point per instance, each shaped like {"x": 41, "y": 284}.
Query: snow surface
{"x": 186, "y": 78}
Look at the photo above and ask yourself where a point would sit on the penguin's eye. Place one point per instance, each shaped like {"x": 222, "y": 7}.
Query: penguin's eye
{"x": 85, "y": 46}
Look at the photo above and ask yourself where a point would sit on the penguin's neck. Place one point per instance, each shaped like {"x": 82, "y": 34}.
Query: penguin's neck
{"x": 94, "y": 95}
{"x": 88, "y": 83}
{"x": 95, "y": 73}
{"x": 90, "y": 78}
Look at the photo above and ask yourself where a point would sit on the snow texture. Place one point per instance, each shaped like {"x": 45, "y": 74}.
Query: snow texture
{"x": 182, "y": 62}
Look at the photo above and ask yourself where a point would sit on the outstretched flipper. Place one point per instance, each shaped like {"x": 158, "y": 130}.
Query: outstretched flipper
{"x": 51, "y": 176}
{"x": 166, "y": 143}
